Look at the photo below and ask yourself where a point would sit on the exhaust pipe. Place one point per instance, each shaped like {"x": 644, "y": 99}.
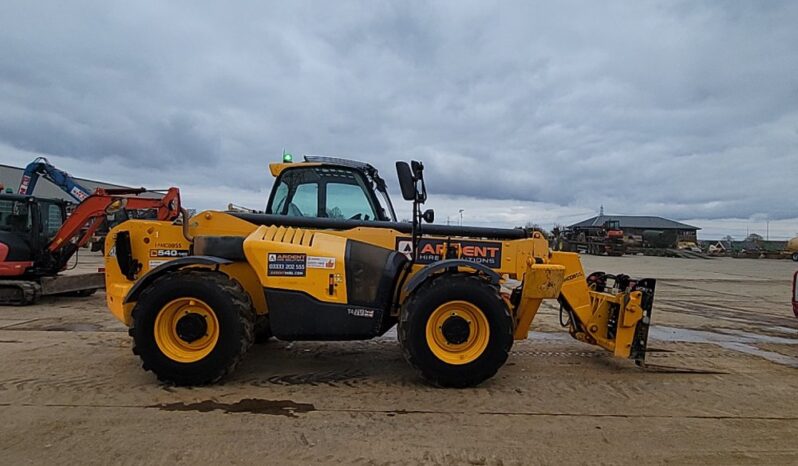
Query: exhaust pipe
{"x": 185, "y": 217}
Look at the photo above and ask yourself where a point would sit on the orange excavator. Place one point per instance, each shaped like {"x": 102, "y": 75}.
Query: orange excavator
{"x": 37, "y": 239}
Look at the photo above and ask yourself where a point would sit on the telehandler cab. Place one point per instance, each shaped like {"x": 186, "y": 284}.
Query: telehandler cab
{"x": 328, "y": 261}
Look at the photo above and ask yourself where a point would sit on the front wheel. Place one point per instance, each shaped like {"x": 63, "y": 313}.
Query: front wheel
{"x": 456, "y": 330}
{"x": 192, "y": 327}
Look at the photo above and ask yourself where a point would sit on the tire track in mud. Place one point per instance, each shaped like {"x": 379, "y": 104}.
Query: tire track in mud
{"x": 332, "y": 378}
{"x": 384, "y": 371}
{"x": 77, "y": 384}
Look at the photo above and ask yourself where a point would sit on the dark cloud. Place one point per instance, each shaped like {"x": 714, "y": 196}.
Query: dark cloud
{"x": 683, "y": 109}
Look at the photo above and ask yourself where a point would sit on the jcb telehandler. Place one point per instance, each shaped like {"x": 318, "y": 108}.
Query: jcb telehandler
{"x": 329, "y": 261}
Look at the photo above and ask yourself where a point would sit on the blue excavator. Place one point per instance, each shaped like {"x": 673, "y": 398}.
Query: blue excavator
{"x": 41, "y": 167}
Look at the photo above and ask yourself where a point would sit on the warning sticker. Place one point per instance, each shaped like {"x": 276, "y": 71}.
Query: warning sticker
{"x": 286, "y": 265}
{"x": 317, "y": 262}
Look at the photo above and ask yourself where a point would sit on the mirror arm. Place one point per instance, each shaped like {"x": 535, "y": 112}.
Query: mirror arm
{"x": 415, "y": 236}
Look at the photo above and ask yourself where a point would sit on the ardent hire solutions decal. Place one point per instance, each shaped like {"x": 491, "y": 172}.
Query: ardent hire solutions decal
{"x": 431, "y": 250}
{"x": 285, "y": 265}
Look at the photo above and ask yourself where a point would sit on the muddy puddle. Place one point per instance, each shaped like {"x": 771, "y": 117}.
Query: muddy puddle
{"x": 286, "y": 408}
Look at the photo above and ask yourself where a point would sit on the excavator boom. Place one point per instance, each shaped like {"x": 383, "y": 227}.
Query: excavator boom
{"x": 42, "y": 167}
{"x": 89, "y": 215}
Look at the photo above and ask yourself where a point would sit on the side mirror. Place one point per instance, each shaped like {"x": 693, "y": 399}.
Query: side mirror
{"x": 428, "y": 216}
{"x": 406, "y": 182}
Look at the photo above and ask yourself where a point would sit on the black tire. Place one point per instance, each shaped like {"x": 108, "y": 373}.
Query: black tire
{"x": 263, "y": 331}
{"x": 795, "y": 256}
{"x": 231, "y": 306}
{"x": 419, "y": 307}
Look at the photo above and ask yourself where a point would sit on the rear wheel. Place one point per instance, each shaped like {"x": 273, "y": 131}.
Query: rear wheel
{"x": 192, "y": 327}
{"x": 456, "y": 330}
{"x": 795, "y": 256}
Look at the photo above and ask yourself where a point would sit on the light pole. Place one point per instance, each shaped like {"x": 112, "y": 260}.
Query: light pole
{"x": 461, "y": 217}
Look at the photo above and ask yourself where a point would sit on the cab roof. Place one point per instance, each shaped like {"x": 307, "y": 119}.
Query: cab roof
{"x": 317, "y": 160}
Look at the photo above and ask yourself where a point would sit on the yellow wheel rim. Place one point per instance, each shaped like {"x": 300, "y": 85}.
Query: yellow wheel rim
{"x": 457, "y": 332}
{"x": 186, "y": 330}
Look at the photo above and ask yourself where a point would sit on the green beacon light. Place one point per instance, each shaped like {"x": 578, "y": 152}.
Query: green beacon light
{"x": 287, "y": 158}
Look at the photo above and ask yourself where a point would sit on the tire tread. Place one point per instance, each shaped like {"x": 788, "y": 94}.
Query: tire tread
{"x": 240, "y": 301}
{"x": 431, "y": 286}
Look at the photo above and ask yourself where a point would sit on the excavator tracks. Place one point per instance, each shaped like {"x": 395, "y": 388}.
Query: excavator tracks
{"x": 19, "y": 292}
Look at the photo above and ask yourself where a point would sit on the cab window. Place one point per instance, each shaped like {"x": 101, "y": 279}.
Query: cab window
{"x": 280, "y": 195}
{"x": 305, "y": 201}
{"x": 348, "y": 201}
{"x": 14, "y": 216}
{"x": 51, "y": 218}
{"x": 322, "y": 191}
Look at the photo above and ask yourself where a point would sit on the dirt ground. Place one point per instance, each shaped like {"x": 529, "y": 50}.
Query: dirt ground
{"x": 722, "y": 389}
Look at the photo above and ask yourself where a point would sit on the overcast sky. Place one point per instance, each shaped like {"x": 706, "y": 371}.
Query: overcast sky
{"x": 521, "y": 112}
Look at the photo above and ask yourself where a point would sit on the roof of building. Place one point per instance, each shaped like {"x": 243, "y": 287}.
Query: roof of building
{"x": 635, "y": 221}
{"x": 10, "y": 177}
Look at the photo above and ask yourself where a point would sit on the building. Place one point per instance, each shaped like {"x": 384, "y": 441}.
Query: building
{"x": 637, "y": 227}
{"x": 11, "y": 176}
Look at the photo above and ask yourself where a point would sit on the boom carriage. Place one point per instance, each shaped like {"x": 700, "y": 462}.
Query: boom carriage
{"x": 197, "y": 295}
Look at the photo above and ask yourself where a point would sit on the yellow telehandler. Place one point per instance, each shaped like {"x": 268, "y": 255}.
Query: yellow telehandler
{"x": 328, "y": 260}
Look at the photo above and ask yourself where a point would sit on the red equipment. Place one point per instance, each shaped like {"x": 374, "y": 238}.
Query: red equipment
{"x": 31, "y": 257}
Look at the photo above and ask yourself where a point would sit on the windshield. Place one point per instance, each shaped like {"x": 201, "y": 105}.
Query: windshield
{"x": 15, "y": 216}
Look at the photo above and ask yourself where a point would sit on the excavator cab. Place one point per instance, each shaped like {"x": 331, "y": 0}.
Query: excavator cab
{"x": 27, "y": 225}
